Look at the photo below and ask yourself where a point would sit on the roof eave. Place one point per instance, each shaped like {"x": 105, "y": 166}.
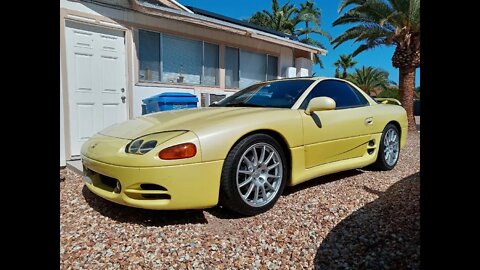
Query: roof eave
{"x": 182, "y": 6}
{"x": 159, "y": 11}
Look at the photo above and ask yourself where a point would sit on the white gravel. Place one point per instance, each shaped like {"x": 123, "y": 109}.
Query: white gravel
{"x": 358, "y": 219}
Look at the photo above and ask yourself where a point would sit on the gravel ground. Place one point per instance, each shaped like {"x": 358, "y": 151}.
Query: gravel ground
{"x": 358, "y": 219}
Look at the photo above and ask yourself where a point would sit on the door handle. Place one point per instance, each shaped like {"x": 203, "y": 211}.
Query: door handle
{"x": 123, "y": 99}
{"x": 368, "y": 121}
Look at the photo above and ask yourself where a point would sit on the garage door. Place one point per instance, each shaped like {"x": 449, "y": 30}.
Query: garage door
{"x": 96, "y": 80}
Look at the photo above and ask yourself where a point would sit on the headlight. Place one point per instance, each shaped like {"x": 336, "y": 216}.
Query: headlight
{"x": 134, "y": 146}
{"x": 146, "y": 143}
{"x": 140, "y": 147}
{"x": 147, "y": 146}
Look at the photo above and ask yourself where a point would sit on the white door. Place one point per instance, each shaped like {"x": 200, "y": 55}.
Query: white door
{"x": 96, "y": 80}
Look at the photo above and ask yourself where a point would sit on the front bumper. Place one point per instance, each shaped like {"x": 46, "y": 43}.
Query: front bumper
{"x": 190, "y": 186}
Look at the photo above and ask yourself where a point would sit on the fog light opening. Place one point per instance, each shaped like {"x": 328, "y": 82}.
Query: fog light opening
{"x": 118, "y": 187}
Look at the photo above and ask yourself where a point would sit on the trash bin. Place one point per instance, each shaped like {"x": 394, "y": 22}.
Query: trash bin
{"x": 170, "y": 101}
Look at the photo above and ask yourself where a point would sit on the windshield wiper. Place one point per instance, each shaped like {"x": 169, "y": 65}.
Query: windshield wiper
{"x": 243, "y": 104}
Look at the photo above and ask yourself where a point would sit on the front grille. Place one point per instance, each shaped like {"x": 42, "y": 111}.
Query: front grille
{"x": 109, "y": 184}
{"x": 152, "y": 187}
{"x": 157, "y": 196}
{"x": 108, "y": 181}
{"x": 147, "y": 191}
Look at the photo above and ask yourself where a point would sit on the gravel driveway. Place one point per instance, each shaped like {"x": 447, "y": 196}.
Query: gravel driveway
{"x": 358, "y": 219}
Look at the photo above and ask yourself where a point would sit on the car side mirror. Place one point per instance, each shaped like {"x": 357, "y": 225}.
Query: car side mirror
{"x": 320, "y": 104}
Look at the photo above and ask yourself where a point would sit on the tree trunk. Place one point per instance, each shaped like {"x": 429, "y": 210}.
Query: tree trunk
{"x": 344, "y": 75}
{"x": 306, "y": 27}
{"x": 406, "y": 87}
{"x": 407, "y": 58}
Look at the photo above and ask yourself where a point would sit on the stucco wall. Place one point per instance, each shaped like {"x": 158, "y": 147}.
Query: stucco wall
{"x": 134, "y": 20}
{"x": 285, "y": 61}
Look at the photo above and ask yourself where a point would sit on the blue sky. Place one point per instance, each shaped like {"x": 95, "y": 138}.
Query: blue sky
{"x": 241, "y": 9}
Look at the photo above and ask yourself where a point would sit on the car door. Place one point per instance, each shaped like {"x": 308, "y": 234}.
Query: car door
{"x": 338, "y": 134}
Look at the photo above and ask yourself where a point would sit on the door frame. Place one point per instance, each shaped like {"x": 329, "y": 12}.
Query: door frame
{"x": 97, "y": 21}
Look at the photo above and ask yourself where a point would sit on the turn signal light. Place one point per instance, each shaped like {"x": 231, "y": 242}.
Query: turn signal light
{"x": 184, "y": 150}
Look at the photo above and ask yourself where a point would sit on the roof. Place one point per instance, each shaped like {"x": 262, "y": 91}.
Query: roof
{"x": 168, "y": 4}
{"x": 209, "y": 19}
{"x": 239, "y": 22}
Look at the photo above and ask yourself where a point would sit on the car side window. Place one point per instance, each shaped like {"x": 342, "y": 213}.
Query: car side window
{"x": 343, "y": 94}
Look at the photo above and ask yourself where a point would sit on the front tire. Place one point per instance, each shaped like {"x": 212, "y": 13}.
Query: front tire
{"x": 389, "y": 150}
{"x": 254, "y": 175}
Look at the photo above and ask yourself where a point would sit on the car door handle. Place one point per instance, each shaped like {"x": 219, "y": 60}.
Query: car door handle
{"x": 368, "y": 120}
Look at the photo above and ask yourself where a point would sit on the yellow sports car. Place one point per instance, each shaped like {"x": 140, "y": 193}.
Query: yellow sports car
{"x": 243, "y": 150}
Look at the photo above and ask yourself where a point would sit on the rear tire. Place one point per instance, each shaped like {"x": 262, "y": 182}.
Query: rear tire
{"x": 389, "y": 149}
{"x": 253, "y": 175}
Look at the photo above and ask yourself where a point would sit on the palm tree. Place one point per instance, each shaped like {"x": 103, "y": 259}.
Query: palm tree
{"x": 337, "y": 68}
{"x": 346, "y": 62}
{"x": 370, "y": 79}
{"x": 260, "y": 19}
{"x": 286, "y": 18}
{"x": 278, "y": 19}
{"x": 387, "y": 22}
{"x": 309, "y": 13}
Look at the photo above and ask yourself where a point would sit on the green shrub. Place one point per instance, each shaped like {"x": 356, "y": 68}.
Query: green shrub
{"x": 391, "y": 92}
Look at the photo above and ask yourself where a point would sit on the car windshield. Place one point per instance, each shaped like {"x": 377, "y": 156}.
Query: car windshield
{"x": 277, "y": 94}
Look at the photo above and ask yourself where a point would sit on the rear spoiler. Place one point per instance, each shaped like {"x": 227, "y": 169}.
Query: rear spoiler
{"x": 388, "y": 101}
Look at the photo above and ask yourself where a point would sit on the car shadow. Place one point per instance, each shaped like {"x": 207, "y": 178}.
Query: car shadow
{"x": 378, "y": 235}
{"x": 158, "y": 218}
{"x": 320, "y": 181}
{"x": 222, "y": 213}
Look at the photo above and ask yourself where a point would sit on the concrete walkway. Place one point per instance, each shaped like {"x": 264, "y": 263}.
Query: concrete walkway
{"x": 75, "y": 165}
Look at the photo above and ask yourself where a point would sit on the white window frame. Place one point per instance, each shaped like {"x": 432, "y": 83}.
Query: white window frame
{"x": 217, "y": 85}
{"x": 252, "y": 51}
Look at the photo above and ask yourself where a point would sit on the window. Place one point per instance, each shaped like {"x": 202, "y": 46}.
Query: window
{"x": 149, "y": 56}
{"x": 362, "y": 98}
{"x": 231, "y": 67}
{"x": 182, "y": 60}
{"x": 210, "y": 64}
{"x": 277, "y": 94}
{"x": 272, "y": 68}
{"x": 244, "y": 68}
{"x": 344, "y": 95}
{"x": 170, "y": 59}
{"x": 253, "y": 67}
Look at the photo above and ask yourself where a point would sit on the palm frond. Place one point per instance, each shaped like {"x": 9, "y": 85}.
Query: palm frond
{"x": 275, "y": 6}
{"x": 375, "y": 9}
{"x": 367, "y": 46}
{"x": 317, "y": 60}
{"x": 353, "y": 17}
{"x": 346, "y": 3}
{"x": 414, "y": 15}
{"x": 303, "y": 31}
{"x": 362, "y": 32}
{"x": 312, "y": 42}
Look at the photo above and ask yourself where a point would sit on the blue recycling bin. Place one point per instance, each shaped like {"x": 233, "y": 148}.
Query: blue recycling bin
{"x": 169, "y": 101}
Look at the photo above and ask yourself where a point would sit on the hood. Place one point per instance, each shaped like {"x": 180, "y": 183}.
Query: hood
{"x": 186, "y": 119}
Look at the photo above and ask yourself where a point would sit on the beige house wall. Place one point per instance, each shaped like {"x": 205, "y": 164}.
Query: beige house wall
{"x": 130, "y": 21}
